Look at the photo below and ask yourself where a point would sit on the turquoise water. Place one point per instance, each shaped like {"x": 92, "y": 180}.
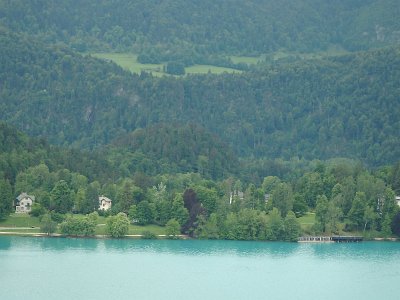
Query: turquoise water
{"x": 59, "y": 268}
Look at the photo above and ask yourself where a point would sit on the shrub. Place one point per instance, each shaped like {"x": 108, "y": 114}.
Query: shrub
{"x": 147, "y": 235}
{"x": 117, "y": 226}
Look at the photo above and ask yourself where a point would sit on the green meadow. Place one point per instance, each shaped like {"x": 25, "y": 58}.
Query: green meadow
{"x": 250, "y": 60}
{"x": 19, "y": 221}
{"x": 24, "y": 223}
{"x": 128, "y": 61}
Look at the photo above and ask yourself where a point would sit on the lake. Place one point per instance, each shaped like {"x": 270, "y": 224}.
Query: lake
{"x": 67, "y": 268}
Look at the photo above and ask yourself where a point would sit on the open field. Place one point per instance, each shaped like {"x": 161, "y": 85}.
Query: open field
{"x": 281, "y": 55}
{"x": 250, "y": 60}
{"x": 135, "y": 229}
{"x": 20, "y": 220}
{"x": 307, "y": 219}
{"x": 128, "y": 61}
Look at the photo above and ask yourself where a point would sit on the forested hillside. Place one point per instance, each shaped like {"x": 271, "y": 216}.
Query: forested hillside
{"x": 344, "y": 195}
{"x": 233, "y": 156}
{"x": 180, "y": 29}
{"x": 345, "y": 106}
{"x": 173, "y": 148}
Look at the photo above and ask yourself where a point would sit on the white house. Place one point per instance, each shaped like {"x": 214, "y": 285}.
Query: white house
{"x": 104, "y": 203}
{"x": 234, "y": 194}
{"x": 23, "y": 203}
{"x": 398, "y": 200}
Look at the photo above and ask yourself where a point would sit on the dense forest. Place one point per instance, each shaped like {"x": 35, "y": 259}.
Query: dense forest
{"x": 344, "y": 106}
{"x": 201, "y": 28}
{"x": 233, "y": 156}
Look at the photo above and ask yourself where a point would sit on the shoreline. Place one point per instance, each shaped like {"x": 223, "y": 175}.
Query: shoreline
{"x": 97, "y": 236}
{"x": 160, "y": 236}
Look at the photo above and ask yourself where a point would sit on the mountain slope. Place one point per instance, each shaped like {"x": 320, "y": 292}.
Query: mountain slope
{"x": 343, "y": 106}
{"x": 225, "y": 26}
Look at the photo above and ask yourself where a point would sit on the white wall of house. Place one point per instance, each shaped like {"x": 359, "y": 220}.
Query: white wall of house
{"x": 104, "y": 203}
{"x": 25, "y": 205}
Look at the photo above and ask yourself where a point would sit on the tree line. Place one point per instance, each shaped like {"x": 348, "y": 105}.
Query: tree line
{"x": 343, "y": 194}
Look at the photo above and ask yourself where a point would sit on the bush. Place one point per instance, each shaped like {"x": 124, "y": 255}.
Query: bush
{"x": 82, "y": 226}
{"x": 37, "y": 210}
{"x": 47, "y": 224}
{"x": 172, "y": 228}
{"x": 57, "y": 217}
{"x": 147, "y": 235}
{"x": 117, "y": 226}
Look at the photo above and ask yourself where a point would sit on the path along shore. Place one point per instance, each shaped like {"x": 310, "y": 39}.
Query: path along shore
{"x": 133, "y": 236}
{"x": 97, "y": 236}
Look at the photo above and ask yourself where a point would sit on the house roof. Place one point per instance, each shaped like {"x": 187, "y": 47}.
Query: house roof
{"x": 25, "y": 195}
{"x": 101, "y": 198}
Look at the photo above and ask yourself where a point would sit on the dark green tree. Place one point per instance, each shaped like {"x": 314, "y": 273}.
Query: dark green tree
{"x": 275, "y": 229}
{"x": 356, "y": 213}
{"x": 207, "y": 229}
{"x": 321, "y": 213}
{"x": 6, "y": 198}
{"x": 47, "y": 225}
{"x": 175, "y": 68}
{"x": 61, "y": 197}
{"x": 292, "y": 227}
{"x": 282, "y": 198}
{"x": 144, "y": 213}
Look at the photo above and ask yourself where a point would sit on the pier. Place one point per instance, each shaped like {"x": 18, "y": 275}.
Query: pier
{"x": 330, "y": 239}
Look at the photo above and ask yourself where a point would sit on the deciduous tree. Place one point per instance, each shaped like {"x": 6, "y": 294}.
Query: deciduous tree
{"x": 117, "y": 226}
{"x": 61, "y": 197}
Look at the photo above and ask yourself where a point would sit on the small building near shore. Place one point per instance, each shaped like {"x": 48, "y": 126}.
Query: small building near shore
{"x": 398, "y": 200}
{"x": 104, "y": 203}
{"x": 23, "y": 203}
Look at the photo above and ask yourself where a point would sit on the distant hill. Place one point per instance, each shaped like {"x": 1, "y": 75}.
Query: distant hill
{"x": 344, "y": 106}
{"x": 207, "y": 27}
{"x": 18, "y": 152}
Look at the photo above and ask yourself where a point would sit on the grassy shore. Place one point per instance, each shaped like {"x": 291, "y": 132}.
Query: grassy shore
{"x": 26, "y": 224}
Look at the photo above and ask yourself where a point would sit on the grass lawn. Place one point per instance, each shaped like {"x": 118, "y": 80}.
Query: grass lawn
{"x": 331, "y": 51}
{"x": 250, "y": 60}
{"x": 307, "y": 221}
{"x": 135, "y": 229}
{"x": 20, "y": 220}
{"x": 24, "y": 223}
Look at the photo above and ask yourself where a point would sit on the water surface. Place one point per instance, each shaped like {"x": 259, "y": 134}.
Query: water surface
{"x": 61, "y": 268}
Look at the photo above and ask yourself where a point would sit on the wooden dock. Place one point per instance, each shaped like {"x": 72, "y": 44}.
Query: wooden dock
{"x": 347, "y": 239}
{"x": 330, "y": 239}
